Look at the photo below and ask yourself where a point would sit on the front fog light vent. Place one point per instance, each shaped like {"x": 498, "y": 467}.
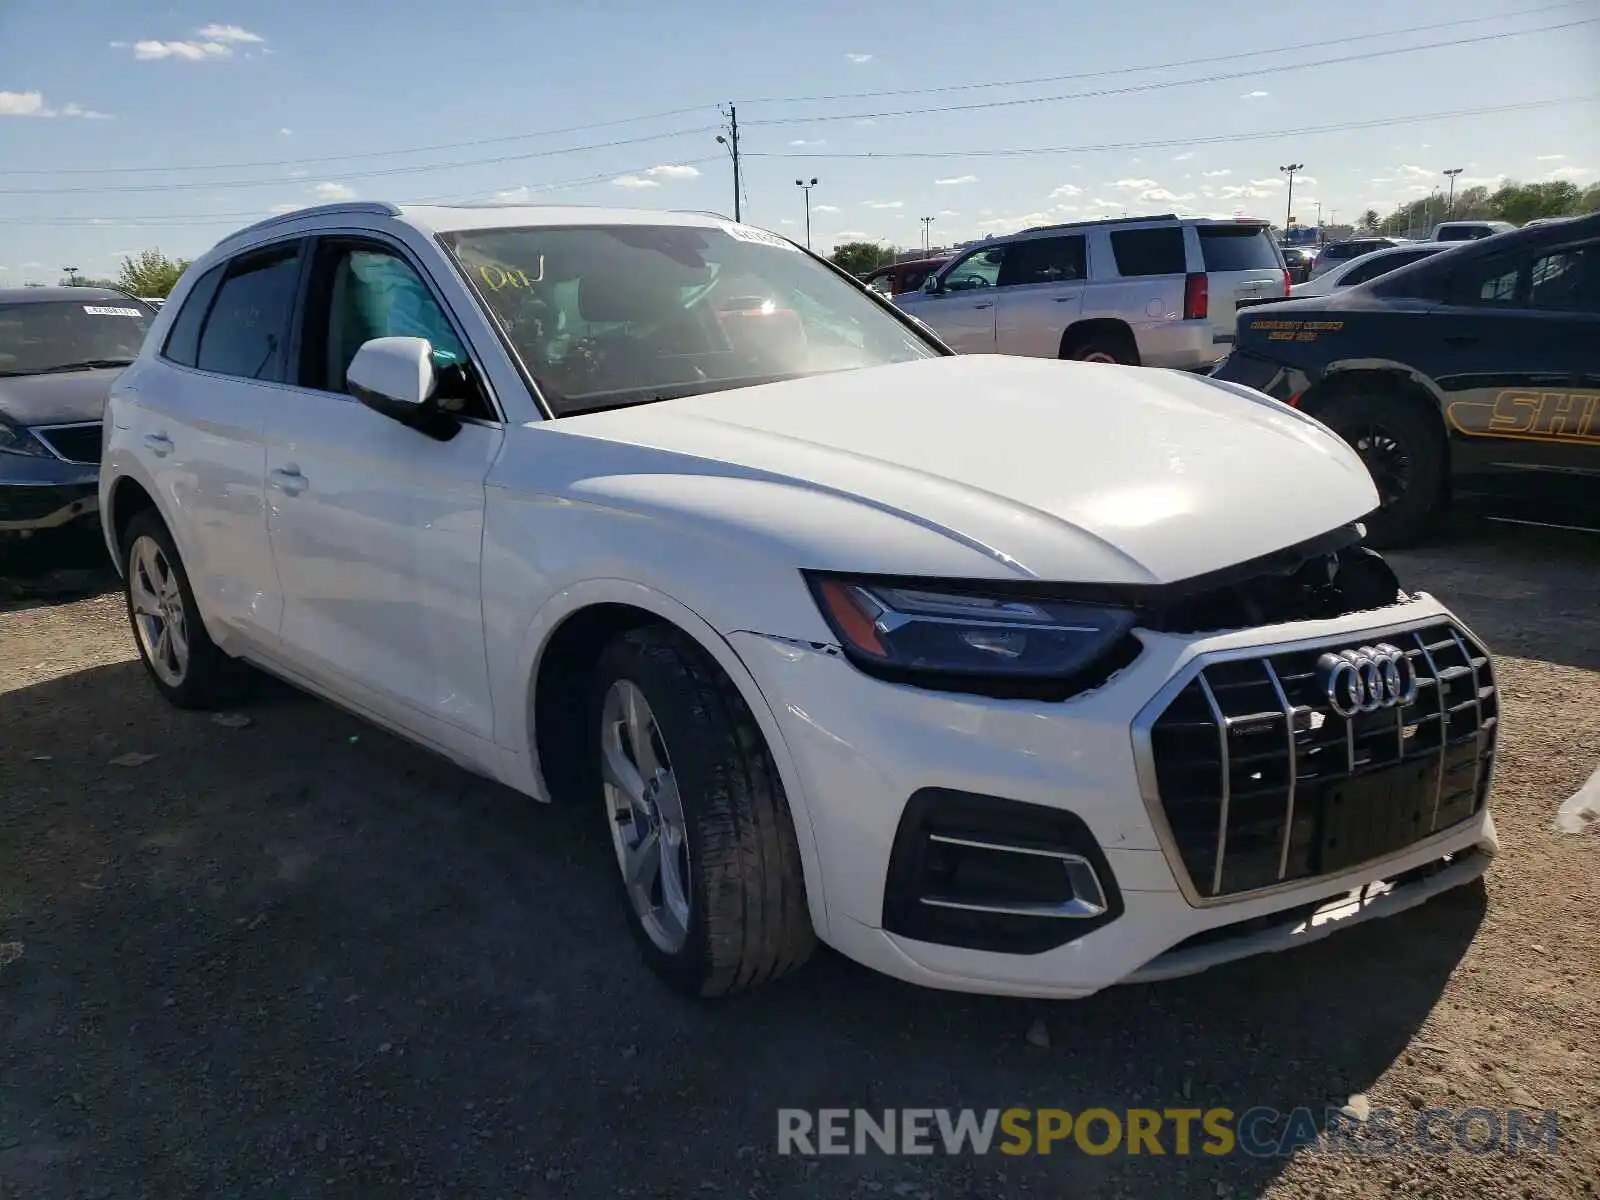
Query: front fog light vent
{"x": 986, "y": 873}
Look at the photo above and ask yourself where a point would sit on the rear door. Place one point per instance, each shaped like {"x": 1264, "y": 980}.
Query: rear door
{"x": 1242, "y": 263}
{"x": 1040, "y": 294}
{"x": 1521, "y": 377}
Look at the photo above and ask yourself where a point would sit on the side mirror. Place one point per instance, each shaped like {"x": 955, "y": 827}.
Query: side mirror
{"x": 930, "y": 285}
{"x": 395, "y": 376}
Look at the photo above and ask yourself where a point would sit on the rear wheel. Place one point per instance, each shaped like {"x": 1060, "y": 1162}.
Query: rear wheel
{"x": 183, "y": 662}
{"x": 699, "y": 822}
{"x": 1101, "y": 346}
{"x": 1405, "y": 453}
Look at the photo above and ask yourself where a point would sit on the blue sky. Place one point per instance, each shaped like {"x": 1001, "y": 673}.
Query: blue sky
{"x": 124, "y": 127}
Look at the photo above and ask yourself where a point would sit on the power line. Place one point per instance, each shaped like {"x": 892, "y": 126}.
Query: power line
{"x": 1173, "y": 83}
{"x": 157, "y": 220}
{"x": 1320, "y": 43}
{"x": 208, "y": 185}
{"x": 1192, "y": 140}
{"x": 364, "y": 154}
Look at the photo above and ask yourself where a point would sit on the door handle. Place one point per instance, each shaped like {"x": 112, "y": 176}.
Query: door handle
{"x": 158, "y": 444}
{"x": 289, "y": 480}
{"x": 985, "y": 304}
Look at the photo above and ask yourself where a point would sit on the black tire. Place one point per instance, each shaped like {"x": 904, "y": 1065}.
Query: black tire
{"x": 210, "y": 679}
{"x": 748, "y": 921}
{"x": 1405, "y": 452}
{"x": 1106, "y": 346}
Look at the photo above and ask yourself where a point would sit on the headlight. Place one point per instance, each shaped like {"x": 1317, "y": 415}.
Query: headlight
{"x": 16, "y": 440}
{"x": 902, "y": 628}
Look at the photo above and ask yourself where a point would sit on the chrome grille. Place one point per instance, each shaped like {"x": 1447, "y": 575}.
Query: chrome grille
{"x": 78, "y": 443}
{"x": 1257, "y": 781}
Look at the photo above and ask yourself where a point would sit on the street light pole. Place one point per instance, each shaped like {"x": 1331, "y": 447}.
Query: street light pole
{"x": 1452, "y": 172}
{"x": 1288, "y": 212}
{"x": 806, "y": 188}
{"x": 927, "y": 234}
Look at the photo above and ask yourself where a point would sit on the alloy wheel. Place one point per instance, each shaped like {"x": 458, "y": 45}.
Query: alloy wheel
{"x": 158, "y": 611}
{"x": 1385, "y": 457}
{"x": 645, "y": 813}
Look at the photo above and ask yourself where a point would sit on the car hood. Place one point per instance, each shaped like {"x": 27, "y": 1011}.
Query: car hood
{"x": 1054, "y": 470}
{"x": 56, "y": 399}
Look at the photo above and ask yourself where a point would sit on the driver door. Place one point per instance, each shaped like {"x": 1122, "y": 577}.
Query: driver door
{"x": 962, "y": 311}
{"x": 377, "y": 529}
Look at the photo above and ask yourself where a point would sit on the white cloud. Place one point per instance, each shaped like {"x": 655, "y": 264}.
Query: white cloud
{"x": 785, "y": 220}
{"x": 1067, "y": 189}
{"x": 280, "y": 209}
{"x": 673, "y": 171}
{"x": 1183, "y": 157}
{"x": 634, "y": 181}
{"x": 1161, "y": 194}
{"x": 1254, "y": 95}
{"x": 334, "y": 191}
{"x": 1548, "y": 157}
{"x": 1275, "y": 183}
{"x": 859, "y": 59}
{"x": 884, "y": 203}
{"x": 210, "y": 42}
{"x": 1018, "y": 222}
{"x": 1572, "y": 173}
{"x": 286, "y": 132}
{"x": 956, "y": 179}
{"x": 948, "y": 212}
{"x": 299, "y": 173}
{"x": 517, "y": 195}
{"x": 809, "y": 142}
{"x": 1135, "y": 185}
{"x": 1408, "y": 171}
{"x": 825, "y": 208}
{"x": 31, "y": 104}
{"x": 230, "y": 34}
{"x": 1253, "y": 192}
{"x": 852, "y": 233}
{"x": 1215, "y": 174}
{"x": 866, "y": 121}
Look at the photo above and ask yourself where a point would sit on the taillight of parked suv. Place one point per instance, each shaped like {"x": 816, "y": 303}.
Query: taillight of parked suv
{"x": 1196, "y": 296}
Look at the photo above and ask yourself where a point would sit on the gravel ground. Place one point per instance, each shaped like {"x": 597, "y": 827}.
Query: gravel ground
{"x": 300, "y": 958}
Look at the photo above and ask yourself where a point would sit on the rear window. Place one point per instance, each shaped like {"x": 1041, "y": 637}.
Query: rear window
{"x": 1461, "y": 233}
{"x": 1149, "y": 251}
{"x": 1237, "y": 248}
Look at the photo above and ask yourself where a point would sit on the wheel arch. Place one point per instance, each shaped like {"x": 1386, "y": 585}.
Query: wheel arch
{"x": 126, "y": 499}
{"x": 1403, "y": 382}
{"x": 1091, "y": 329}
{"x": 566, "y": 638}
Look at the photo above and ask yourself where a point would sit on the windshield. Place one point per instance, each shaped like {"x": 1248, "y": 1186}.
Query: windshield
{"x": 58, "y": 335}
{"x": 626, "y": 314}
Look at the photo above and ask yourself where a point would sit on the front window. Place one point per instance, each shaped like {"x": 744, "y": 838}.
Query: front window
{"x": 979, "y": 269}
{"x": 71, "y": 335}
{"x": 609, "y": 315}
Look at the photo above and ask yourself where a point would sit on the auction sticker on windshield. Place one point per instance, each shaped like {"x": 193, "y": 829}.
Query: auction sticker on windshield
{"x": 757, "y": 237}
{"x": 99, "y": 311}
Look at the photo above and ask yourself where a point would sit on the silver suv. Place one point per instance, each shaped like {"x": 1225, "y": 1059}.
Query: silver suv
{"x": 1153, "y": 291}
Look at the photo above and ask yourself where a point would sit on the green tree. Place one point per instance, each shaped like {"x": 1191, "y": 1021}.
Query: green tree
{"x": 1520, "y": 203}
{"x": 151, "y": 273}
{"x": 85, "y": 281}
{"x": 861, "y": 257}
{"x": 1590, "y": 200}
{"x": 1369, "y": 219}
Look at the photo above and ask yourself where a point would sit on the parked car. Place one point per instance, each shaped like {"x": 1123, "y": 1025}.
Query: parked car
{"x": 900, "y": 277}
{"x": 1472, "y": 376}
{"x": 154, "y": 302}
{"x": 1336, "y": 254}
{"x": 839, "y": 636}
{"x": 60, "y": 348}
{"x": 1151, "y": 291}
{"x": 1297, "y": 261}
{"x": 1469, "y": 231}
{"x": 1368, "y": 266}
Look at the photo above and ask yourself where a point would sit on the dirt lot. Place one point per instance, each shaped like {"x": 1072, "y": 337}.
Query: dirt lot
{"x": 300, "y": 958}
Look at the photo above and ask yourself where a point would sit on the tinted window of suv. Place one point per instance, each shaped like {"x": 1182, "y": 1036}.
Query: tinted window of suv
{"x": 249, "y": 323}
{"x": 1149, "y": 251}
{"x": 183, "y": 339}
{"x": 1237, "y": 248}
{"x": 1043, "y": 260}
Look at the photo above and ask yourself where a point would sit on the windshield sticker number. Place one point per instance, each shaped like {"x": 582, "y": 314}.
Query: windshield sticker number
{"x": 757, "y": 237}
{"x": 98, "y": 311}
{"x": 499, "y": 278}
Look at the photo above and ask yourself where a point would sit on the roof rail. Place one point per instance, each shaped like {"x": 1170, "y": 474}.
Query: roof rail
{"x": 369, "y": 208}
{"x": 1104, "y": 221}
{"x": 703, "y": 212}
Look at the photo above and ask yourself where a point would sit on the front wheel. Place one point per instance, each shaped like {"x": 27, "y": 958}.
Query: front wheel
{"x": 1405, "y": 454}
{"x": 699, "y": 822}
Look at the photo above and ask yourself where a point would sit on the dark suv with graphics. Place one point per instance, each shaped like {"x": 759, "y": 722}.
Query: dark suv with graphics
{"x": 1473, "y": 376}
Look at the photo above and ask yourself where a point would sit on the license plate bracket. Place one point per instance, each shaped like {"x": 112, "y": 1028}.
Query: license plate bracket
{"x": 1373, "y": 814}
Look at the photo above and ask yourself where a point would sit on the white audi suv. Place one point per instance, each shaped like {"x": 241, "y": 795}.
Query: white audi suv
{"x": 995, "y": 673}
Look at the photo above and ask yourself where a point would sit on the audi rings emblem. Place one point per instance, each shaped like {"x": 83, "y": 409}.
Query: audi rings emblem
{"x": 1367, "y": 679}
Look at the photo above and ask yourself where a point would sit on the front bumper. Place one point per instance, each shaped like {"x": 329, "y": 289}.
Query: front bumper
{"x": 45, "y": 493}
{"x": 863, "y": 748}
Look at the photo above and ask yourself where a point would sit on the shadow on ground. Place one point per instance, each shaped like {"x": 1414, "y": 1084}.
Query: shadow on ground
{"x": 303, "y": 959}
{"x": 54, "y": 567}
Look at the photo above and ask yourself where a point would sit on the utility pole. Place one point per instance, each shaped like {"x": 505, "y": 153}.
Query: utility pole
{"x": 1452, "y": 173}
{"x": 731, "y": 141}
{"x": 1288, "y": 213}
{"x": 927, "y": 234}
{"x": 806, "y": 188}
